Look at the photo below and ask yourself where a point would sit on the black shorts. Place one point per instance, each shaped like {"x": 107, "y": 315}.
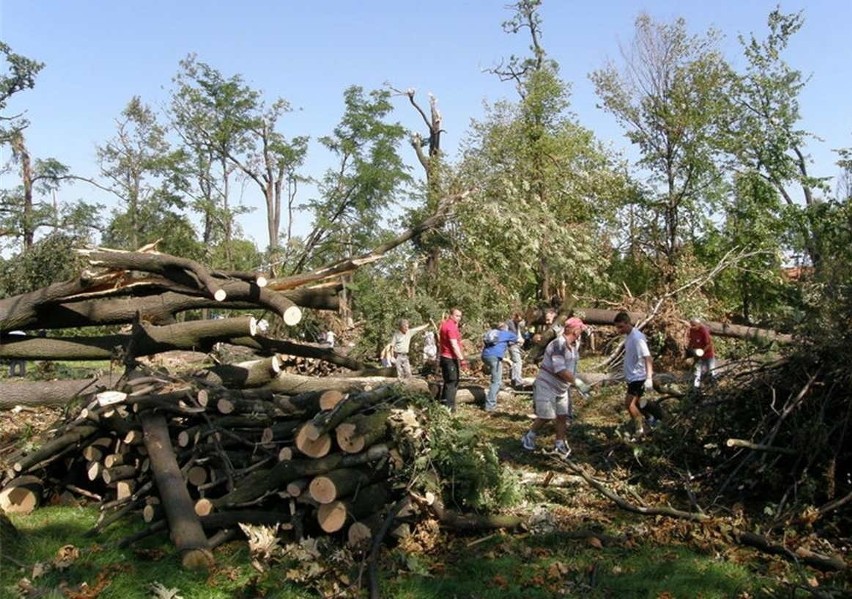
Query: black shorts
{"x": 636, "y": 388}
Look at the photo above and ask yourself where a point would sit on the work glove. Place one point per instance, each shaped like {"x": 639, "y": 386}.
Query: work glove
{"x": 699, "y": 352}
{"x": 649, "y": 384}
{"x": 582, "y": 385}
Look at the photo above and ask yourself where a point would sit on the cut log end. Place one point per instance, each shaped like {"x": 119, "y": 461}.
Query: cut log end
{"x": 292, "y": 316}
{"x": 197, "y": 559}
{"x": 219, "y": 295}
{"x": 21, "y": 495}
{"x": 261, "y": 280}
{"x": 314, "y": 448}
{"x": 332, "y": 516}
{"x": 323, "y": 489}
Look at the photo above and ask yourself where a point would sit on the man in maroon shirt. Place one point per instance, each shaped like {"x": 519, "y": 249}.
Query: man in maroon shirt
{"x": 700, "y": 346}
{"x": 451, "y": 357}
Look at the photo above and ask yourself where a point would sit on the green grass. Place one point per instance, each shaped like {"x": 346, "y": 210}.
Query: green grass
{"x": 556, "y": 566}
{"x": 128, "y": 573}
{"x": 528, "y": 566}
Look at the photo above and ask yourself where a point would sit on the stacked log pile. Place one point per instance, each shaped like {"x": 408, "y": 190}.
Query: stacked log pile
{"x": 246, "y": 443}
{"x": 198, "y": 459}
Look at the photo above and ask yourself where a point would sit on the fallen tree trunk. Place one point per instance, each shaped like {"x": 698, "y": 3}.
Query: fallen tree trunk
{"x": 598, "y": 316}
{"x": 148, "y": 340}
{"x": 51, "y": 393}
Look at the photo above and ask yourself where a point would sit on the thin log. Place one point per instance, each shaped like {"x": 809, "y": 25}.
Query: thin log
{"x": 758, "y": 447}
{"x": 324, "y": 422}
{"x": 259, "y": 483}
{"x": 54, "y": 447}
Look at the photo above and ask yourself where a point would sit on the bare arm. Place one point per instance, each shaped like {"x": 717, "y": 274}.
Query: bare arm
{"x": 454, "y": 343}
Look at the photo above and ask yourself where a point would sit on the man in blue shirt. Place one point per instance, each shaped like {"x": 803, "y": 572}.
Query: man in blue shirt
{"x": 496, "y": 341}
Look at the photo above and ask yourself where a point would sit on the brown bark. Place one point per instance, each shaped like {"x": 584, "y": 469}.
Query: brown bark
{"x": 333, "y": 516}
{"x": 145, "y": 341}
{"x": 51, "y": 393}
{"x": 186, "y": 530}
{"x": 337, "y": 484}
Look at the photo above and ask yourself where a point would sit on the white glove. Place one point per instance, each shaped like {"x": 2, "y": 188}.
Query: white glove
{"x": 582, "y": 385}
{"x": 649, "y": 384}
{"x": 699, "y": 352}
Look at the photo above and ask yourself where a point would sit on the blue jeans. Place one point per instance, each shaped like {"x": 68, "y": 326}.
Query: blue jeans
{"x": 496, "y": 365}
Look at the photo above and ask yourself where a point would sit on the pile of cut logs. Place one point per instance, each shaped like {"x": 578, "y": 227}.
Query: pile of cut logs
{"x": 199, "y": 458}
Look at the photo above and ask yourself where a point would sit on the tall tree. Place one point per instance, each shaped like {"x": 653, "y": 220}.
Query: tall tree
{"x": 208, "y": 113}
{"x": 666, "y": 95}
{"x": 20, "y": 74}
{"x": 139, "y": 166}
{"x": 766, "y": 137}
{"x": 358, "y": 191}
{"x": 21, "y": 214}
{"x": 546, "y": 184}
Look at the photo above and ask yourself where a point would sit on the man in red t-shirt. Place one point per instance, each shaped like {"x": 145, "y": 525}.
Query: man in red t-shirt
{"x": 700, "y": 345}
{"x": 451, "y": 357}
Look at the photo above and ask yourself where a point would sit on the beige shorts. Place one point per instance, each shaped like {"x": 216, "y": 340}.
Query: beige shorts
{"x": 550, "y": 403}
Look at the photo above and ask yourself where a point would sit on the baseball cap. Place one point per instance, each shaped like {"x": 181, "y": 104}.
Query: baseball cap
{"x": 575, "y": 323}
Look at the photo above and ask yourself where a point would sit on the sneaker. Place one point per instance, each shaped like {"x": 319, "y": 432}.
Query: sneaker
{"x": 561, "y": 449}
{"x": 528, "y": 441}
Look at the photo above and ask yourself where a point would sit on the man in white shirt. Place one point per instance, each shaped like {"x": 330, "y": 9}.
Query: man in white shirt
{"x": 638, "y": 368}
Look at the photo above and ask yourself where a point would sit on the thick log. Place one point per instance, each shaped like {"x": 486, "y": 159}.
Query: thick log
{"x": 51, "y": 393}
{"x": 362, "y": 430}
{"x": 186, "y": 530}
{"x": 244, "y": 374}
{"x": 597, "y": 316}
{"x": 153, "y": 301}
{"x": 311, "y": 444}
{"x": 337, "y": 484}
{"x": 21, "y": 495}
{"x": 267, "y": 346}
{"x": 181, "y": 270}
{"x": 333, "y": 516}
{"x": 21, "y": 311}
{"x": 189, "y": 336}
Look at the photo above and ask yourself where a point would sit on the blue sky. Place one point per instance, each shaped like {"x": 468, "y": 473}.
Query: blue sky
{"x": 100, "y": 53}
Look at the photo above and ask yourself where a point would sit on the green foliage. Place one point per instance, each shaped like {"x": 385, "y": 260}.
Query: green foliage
{"x": 547, "y": 188}
{"x": 356, "y": 193}
{"x": 140, "y": 165}
{"x": 667, "y": 96}
{"x": 19, "y": 74}
{"x": 380, "y": 299}
{"x": 466, "y": 463}
{"x": 50, "y": 260}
